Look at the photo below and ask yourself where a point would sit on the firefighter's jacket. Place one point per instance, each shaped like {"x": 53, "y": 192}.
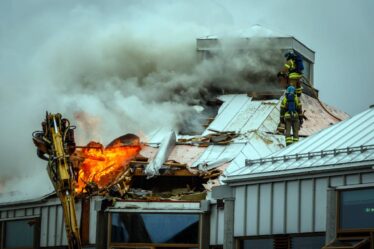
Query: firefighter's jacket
{"x": 290, "y": 69}
{"x": 289, "y": 109}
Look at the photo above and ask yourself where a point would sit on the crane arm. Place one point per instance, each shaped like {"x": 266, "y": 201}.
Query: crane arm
{"x": 55, "y": 144}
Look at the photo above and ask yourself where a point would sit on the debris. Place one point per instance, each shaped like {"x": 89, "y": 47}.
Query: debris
{"x": 91, "y": 187}
{"x": 193, "y": 197}
{"x": 173, "y": 163}
{"x": 218, "y": 138}
{"x": 208, "y": 121}
{"x": 211, "y": 184}
{"x": 212, "y": 174}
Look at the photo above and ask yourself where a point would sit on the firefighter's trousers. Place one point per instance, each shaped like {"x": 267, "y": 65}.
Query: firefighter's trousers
{"x": 291, "y": 120}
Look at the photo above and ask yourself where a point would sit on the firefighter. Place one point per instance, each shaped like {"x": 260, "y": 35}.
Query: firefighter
{"x": 291, "y": 115}
{"x": 292, "y": 71}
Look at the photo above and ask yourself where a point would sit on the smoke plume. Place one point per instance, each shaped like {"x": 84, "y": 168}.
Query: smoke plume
{"x": 113, "y": 74}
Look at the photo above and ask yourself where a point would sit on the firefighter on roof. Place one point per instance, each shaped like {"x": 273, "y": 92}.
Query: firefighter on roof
{"x": 293, "y": 70}
{"x": 291, "y": 115}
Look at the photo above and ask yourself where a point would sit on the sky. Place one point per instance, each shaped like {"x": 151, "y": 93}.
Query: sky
{"x": 74, "y": 56}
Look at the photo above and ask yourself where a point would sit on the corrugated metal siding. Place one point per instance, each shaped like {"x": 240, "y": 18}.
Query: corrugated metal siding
{"x": 52, "y": 226}
{"x": 216, "y": 225}
{"x": 93, "y": 220}
{"x": 278, "y": 213}
{"x": 251, "y": 218}
{"x": 292, "y": 206}
{"x": 264, "y": 210}
{"x": 320, "y": 187}
{"x": 292, "y": 209}
{"x": 240, "y": 199}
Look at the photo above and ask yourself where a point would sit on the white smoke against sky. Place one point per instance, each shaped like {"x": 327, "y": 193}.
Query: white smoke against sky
{"x": 129, "y": 67}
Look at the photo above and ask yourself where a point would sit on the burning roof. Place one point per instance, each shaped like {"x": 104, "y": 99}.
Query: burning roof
{"x": 243, "y": 128}
{"x": 178, "y": 167}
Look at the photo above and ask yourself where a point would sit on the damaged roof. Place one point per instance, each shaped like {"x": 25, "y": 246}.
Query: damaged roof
{"x": 244, "y": 128}
{"x": 254, "y": 123}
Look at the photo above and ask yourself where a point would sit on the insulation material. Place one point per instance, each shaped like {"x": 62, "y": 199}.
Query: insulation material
{"x": 166, "y": 146}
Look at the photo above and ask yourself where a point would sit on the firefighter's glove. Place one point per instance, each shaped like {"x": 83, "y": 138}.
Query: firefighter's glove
{"x": 301, "y": 120}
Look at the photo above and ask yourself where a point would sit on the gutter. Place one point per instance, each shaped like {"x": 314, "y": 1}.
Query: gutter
{"x": 243, "y": 179}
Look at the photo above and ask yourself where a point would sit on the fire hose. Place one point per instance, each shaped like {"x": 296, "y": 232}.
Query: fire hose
{"x": 307, "y": 82}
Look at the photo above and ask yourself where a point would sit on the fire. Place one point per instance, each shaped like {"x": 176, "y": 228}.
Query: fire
{"x": 102, "y": 165}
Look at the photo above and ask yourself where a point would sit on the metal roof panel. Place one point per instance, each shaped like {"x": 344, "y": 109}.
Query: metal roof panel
{"x": 346, "y": 142}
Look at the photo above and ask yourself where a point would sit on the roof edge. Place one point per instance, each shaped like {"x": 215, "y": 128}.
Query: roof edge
{"x": 243, "y": 179}
{"x": 30, "y": 201}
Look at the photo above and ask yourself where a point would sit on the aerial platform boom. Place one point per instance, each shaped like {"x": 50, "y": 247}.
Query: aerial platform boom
{"x": 55, "y": 144}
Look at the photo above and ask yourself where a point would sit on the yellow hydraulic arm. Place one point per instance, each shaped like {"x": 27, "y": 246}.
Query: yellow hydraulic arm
{"x": 55, "y": 144}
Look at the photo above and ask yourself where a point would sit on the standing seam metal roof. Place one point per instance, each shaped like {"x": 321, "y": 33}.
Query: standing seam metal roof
{"x": 349, "y": 141}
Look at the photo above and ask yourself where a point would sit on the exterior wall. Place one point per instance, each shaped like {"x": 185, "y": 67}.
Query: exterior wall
{"x": 50, "y": 214}
{"x": 288, "y": 206}
{"x": 52, "y": 232}
{"x": 216, "y": 225}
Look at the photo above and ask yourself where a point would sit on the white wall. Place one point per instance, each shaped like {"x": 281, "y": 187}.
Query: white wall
{"x": 52, "y": 225}
{"x": 292, "y": 206}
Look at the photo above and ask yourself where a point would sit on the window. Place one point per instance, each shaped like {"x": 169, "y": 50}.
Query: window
{"x": 16, "y": 229}
{"x": 357, "y": 209}
{"x": 310, "y": 242}
{"x": 153, "y": 229}
{"x": 306, "y": 71}
{"x": 258, "y": 244}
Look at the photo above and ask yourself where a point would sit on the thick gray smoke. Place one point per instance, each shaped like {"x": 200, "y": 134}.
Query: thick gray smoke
{"x": 118, "y": 81}
{"x": 111, "y": 75}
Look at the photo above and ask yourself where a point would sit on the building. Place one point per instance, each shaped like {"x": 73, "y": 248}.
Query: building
{"x": 314, "y": 192}
{"x": 176, "y": 207}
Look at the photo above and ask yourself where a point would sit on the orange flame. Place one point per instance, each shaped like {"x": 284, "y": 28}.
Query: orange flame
{"x": 102, "y": 165}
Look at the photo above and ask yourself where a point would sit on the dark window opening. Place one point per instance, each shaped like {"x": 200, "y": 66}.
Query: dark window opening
{"x": 258, "y": 243}
{"x": 161, "y": 184}
{"x": 356, "y": 209}
{"x": 155, "y": 228}
{"x": 16, "y": 229}
{"x": 310, "y": 242}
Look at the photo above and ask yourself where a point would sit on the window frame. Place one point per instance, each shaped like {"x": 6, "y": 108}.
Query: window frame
{"x": 36, "y": 231}
{"x": 339, "y": 228}
{"x": 152, "y": 245}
